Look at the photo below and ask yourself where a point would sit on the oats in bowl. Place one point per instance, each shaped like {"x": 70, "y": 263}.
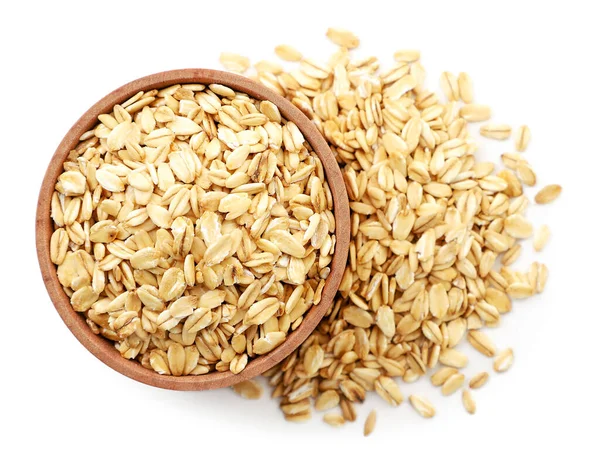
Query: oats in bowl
{"x": 193, "y": 226}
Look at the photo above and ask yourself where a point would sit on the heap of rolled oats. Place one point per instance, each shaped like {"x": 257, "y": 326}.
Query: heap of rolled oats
{"x": 434, "y": 233}
{"x": 194, "y": 228}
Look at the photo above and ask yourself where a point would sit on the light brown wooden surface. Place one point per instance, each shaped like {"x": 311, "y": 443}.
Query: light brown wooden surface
{"x": 104, "y": 349}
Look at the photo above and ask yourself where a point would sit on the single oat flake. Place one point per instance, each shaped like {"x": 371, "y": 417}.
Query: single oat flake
{"x": 548, "y": 194}
{"x": 370, "y": 423}
{"x": 504, "y": 360}
{"x": 468, "y": 402}
{"x": 479, "y": 380}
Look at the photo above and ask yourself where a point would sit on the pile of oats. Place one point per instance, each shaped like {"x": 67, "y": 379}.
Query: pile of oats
{"x": 434, "y": 232}
{"x": 194, "y": 228}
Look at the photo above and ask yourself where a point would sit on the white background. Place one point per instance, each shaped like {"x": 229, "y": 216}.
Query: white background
{"x": 533, "y": 62}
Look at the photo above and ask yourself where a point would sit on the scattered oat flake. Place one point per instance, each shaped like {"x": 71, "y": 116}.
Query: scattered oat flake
{"x": 548, "y": 194}
{"x": 495, "y": 131}
{"x": 465, "y": 87}
{"x": 422, "y": 406}
{"x": 468, "y": 402}
{"x": 541, "y": 237}
{"x": 288, "y": 53}
{"x": 479, "y": 380}
{"x": 452, "y": 384}
{"x": 475, "y": 112}
{"x": 407, "y": 56}
{"x": 370, "y": 423}
{"x": 482, "y": 343}
{"x": 335, "y": 420}
{"x": 343, "y": 37}
{"x": 250, "y": 389}
{"x": 504, "y": 360}
{"x": 449, "y": 84}
{"x": 522, "y": 138}
{"x": 234, "y": 62}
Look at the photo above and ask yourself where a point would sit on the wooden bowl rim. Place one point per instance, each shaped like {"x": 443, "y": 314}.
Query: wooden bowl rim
{"x": 104, "y": 349}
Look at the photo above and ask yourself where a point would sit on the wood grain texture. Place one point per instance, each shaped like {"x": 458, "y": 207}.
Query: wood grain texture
{"x": 104, "y": 349}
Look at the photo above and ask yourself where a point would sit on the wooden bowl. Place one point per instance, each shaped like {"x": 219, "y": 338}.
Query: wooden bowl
{"x": 104, "y": 349}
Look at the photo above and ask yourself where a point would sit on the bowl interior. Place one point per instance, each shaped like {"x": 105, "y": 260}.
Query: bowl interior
{"x": 103, "y": 348}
